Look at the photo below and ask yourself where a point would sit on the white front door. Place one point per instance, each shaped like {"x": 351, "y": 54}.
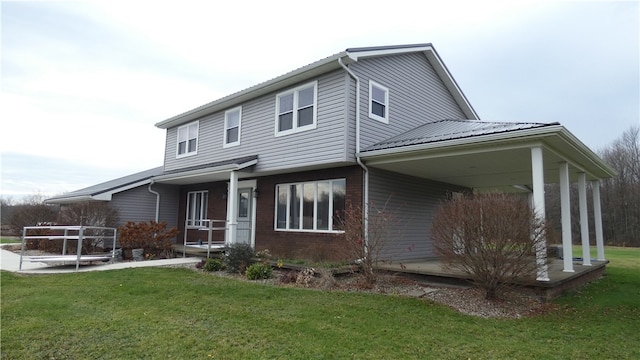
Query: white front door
{"x": 245, "y": 219}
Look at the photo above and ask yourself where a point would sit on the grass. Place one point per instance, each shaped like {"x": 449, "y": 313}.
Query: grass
{"x": 179, "y": 313}
{"x": 9, "y": 240}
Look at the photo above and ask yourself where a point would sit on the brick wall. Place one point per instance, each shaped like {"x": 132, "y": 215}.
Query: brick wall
{"x": 302, "y": 245}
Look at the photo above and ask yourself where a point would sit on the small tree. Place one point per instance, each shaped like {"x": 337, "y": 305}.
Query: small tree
{"x": 490, "y": 237}
{"x": 368, "y": 252}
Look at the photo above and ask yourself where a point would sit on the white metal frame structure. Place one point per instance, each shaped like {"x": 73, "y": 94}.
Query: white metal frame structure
{"x": 65, "y": 233}
{"x": 209, "y": 227}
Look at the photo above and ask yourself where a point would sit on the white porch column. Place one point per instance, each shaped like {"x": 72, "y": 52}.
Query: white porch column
{"x": 537, "y": 177}
{"x": 565, "y": 207}
{"x": 232, "y": 211}
{"x": 597, "y": 217}
{"x": 584, "y": 218}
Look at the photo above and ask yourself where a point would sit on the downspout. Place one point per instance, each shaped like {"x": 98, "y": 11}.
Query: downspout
{"x": 157, "y": 194}
{"x": 365, "y": 201}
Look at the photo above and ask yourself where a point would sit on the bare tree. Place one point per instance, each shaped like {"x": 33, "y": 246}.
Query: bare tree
{"x": 33, "y": 211}
{"x": 367, "y": 251}
{"x": 89, "y": 213}
{"x": 621, "y": 195}
{"x": 489, "y": 237}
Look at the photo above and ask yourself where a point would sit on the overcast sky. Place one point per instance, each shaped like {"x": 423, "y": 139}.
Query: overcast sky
{"x": 83, "y": 83}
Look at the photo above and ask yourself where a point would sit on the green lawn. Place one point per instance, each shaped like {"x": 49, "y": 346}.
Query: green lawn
{"x": 9, "y": 240}
{"x": 177, "y": 313}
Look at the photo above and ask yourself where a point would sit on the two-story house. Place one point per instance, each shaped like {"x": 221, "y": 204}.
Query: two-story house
{"x": 279, "y": 162}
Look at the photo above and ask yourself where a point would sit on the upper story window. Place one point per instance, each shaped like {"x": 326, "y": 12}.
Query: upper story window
{"x": 187, "y": 139}
{"x": 378, "y": 102}
{"x": 232, "y": 121}
{"x": 296, "y": 109}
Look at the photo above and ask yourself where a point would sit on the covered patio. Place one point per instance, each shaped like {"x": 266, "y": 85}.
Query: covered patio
{"x": 559, "y": 281}
{"x": 509, "y": 157}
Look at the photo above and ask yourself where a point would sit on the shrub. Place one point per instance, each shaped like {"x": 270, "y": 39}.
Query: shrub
{"x": 264, "y": 254}
{"x": 259, "y": 270}
{"x": 490, "y": 237}
{"x": 238, "y": 257}
{"x": 153, "y": 237}
{"x": 289, "y": 277}
{"x": 212, "y": 264}
{"x": 367, "y": 252}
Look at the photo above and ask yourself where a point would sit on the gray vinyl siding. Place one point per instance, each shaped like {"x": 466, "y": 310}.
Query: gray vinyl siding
{"x": 416, "y": 95}
{"x": 413, "y": 202}
{"x": 323, "y": 145}
{"x": 138, "y": 204}
{"x": 169, "y": 200}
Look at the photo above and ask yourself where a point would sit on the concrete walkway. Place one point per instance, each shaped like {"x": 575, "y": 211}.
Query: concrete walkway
{"x": 10, "y": 261}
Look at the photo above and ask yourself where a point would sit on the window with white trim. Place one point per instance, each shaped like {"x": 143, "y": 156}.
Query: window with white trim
{"x": 232, "y": 126}
{"x": 310, "y": 206}
{"x": 378, "y": 102}
{"x": 296, "y": 109}
{"x": 197, "y": 208}
{"x": 187, "y": 139}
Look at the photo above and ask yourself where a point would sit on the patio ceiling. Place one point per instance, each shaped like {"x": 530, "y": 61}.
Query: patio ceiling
{"x": 490, "y": 160}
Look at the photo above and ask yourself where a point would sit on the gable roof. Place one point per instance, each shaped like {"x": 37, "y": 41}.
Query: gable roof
{"x": 105, "y": 190}
{"x": 449, "y": 129}
{"x": 318, "y": 68}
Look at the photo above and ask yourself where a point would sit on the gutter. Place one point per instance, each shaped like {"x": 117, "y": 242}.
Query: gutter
{"x": 157, "y": 194}
{"x": 365, "y": 200}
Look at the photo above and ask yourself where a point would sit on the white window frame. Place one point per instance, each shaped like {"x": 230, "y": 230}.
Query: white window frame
{"x": 227, "y": 128}
{"x": 197, "y": 221}
{"x": 301, "y": 203}
{"x": 296, "y": 91}
{"x": 186, "y": 128}
{"x": 384, "y": 119}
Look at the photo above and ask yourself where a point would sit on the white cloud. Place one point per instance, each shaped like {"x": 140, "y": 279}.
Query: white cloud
{"x": 86, "y": 81}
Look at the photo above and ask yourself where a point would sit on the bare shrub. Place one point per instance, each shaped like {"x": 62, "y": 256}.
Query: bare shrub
{"x": 490, "y": 237}
{"x": 367, "y": 252}
{"x": 91, "y": 213}
{"x": 237, "y": 257}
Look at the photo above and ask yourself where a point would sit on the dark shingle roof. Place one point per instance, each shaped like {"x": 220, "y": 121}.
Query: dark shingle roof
{"x": 449, "y": 129}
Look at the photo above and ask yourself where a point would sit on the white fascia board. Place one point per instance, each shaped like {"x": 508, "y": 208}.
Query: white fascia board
{"x": 586, "y": 152}
{"x": 68, "y": 200}
{"x": 205, "y": 171}
{"x": 451, "y": 84}
{"x": 98, "y": 196}
{"x": 355, "y": 55}
{"x": 106, "y": 196}
{"x": 467, "y": 141}
{"x": 314, "y": 69}
{"x": 194, "y": 173}
{"x": 435, "y": 61}
{"x": 526, "y": 138}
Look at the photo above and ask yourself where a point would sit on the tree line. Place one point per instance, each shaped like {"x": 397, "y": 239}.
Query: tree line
{"x": 620, "y": 196}
{"x": 620, "y": 202}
